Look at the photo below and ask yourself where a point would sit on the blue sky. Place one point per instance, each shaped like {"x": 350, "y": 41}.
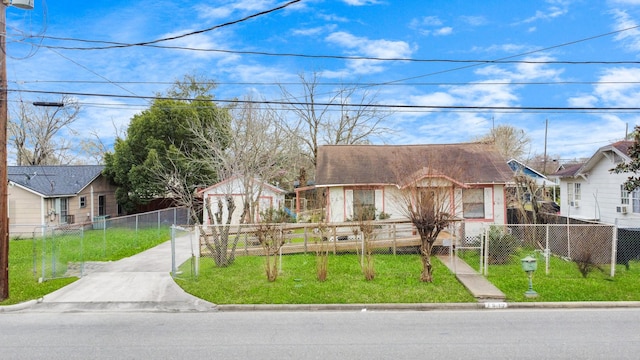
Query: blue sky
{"x": 539, "y": 38}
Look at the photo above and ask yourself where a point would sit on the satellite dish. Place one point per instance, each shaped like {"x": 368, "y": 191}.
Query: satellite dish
{"x": 23, "y": 4}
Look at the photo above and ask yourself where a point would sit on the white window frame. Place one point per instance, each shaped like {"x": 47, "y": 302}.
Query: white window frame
{"x": 624, "y": 195}
{"x": 472, "y": 203}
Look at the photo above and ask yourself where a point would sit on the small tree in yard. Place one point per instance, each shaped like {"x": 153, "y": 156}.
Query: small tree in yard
{"x": 216, "y": 238}
{"x": 322, "y": 252}
{"x": 427, "y": 200}
{"x": 365, "y": 227}
{"x": 271, "y": 237}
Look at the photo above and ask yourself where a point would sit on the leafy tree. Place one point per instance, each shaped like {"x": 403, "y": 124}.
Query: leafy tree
{"x": 161, "y": 138}
{"x": 633, "y": 166}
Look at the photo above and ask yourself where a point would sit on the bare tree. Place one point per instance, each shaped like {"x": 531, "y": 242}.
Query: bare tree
{"x": 317, "y": 121}
{"x": 261, "y": 151}
{"x": 257, "y": 153}
{"x": 36, "y": 133}
{"x": 510, "y": 141}
{"x": 427, "y": 198}
{"x": 94, "y": 148}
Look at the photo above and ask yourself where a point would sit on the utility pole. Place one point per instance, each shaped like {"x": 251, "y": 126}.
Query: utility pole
{"x": 544, "y": 159}
{"x": 4, "y": 202}
{"x": 4, "y": 119}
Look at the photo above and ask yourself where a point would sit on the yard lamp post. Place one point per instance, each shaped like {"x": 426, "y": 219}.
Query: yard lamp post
{"x": 4, "y": 119}
{"x": 529, "y": 265}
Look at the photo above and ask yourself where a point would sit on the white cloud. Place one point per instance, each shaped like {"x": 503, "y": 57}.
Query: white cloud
{"x": 630, "y": 38}
{"x": 361, "y": 46}
{"x": 474, "y": 20}
{"x": 506, "y": 48}
{"x": 314, "y": 31}
{"x": 426, "y": 21}
{"x": 585, "y": 100}
{"x": 372, "y": 48}
{"x": 443, "y": 31}
{"x": 550, "y": 13}
{"x": 619, "y": 87}
{"x": 361, "y": 2}
{"x": 430, "y": 25}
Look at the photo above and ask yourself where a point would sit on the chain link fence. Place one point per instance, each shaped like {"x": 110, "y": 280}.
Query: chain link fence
{"x": 588, "y": 246}
{"x": 64, "y": 250}
{"x": 628, "y": 245}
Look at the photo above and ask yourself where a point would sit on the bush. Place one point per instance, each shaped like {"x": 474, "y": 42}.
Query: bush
{"x": 502, "y": 245}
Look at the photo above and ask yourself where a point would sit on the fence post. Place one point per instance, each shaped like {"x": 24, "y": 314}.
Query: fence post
{"x": 547, "y": 252}
{"x": 306, "y": 239}
{"x": 484, "y": 244}
{"x": 614, "y": 248}
{"x": 395, "y": 238}
{"x": 173, "y": 250}
{"x": 198, "y": 251}
{"x": 568, "y": 239}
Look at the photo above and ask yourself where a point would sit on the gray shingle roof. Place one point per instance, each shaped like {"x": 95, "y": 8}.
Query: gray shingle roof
{"x": 54, "y": 181}
{"x": 467, "y": 163}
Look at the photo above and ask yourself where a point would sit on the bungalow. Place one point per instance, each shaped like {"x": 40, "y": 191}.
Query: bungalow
{"x": 266, "y": 196}
{"x": 589, "y": 191}
{"x": 374, "y": 176}
{"x": 41, "y": 196}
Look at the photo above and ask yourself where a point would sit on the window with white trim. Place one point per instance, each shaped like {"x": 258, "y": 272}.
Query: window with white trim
{"x": 364, "y": 204}
{"x": 473, "y": 203}
{"x": 624, "y": 195}
{"x": 635, "y": 200}
{"x": 573, "y": 193}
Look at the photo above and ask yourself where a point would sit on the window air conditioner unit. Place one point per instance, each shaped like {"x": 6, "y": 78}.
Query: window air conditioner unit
{"x": 621, "y": 209}
{"x": 575, "y": 204}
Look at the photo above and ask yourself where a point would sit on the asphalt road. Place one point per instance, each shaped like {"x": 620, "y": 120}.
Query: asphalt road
{"x": 478, "y": 334}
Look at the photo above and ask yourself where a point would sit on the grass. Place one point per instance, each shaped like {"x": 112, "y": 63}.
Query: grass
{"x": 397, "y": 280}
{"x": 26, "y": 257}
{"x": 564, "y": 281}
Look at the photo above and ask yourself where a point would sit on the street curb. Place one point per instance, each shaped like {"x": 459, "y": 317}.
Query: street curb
{"x": 204, "y": 306}
{"x": 489, "y": 305}
{"x": 18, "y": 307}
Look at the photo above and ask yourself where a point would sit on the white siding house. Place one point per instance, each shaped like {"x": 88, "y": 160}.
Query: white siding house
{"x": 590, "y": 191}
{"x": 242, "y": 189}
{"x": 475, "y": 175}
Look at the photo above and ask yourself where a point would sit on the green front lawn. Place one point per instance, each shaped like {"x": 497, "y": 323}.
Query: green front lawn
{"x": 397, "y": 280}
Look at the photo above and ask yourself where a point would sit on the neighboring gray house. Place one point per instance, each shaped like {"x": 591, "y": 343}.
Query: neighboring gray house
{"x": 589, "y": 191}
{"x": 353, "y": 176}
{"x": 57, "y": 195}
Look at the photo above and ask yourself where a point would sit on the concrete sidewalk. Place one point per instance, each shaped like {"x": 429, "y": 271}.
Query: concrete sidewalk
{"x": 478, "y": 285}
{"x": 139, "y": 283}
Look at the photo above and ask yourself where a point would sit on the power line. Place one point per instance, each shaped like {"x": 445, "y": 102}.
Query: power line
{"x": 482, "y": 83}
{"x": 151, "y": 43}
{"x": 328, "y": 104}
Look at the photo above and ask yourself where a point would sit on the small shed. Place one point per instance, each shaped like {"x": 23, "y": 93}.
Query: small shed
{"x": 243, "y": 190}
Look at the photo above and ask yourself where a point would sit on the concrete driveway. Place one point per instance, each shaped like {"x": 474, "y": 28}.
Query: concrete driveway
{"x": 141, "y": 282}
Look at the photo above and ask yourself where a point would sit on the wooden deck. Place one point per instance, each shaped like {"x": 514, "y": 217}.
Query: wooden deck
{"x": 304, "y": 238}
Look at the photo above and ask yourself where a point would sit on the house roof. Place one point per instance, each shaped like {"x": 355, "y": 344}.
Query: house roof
{"x": 273, "y": 188}
{"x": 568, "y": 170}
{"x": 539, "y": 178}
{"x": 54, "y": 181}
{"x": 466, "y": 163}
{"x": 617, "y": 151}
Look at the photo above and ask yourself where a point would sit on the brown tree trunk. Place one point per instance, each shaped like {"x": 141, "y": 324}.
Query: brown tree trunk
{"x": 427, "y": 267}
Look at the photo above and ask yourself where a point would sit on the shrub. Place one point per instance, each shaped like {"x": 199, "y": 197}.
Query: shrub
{"x": 502, "y": 245}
